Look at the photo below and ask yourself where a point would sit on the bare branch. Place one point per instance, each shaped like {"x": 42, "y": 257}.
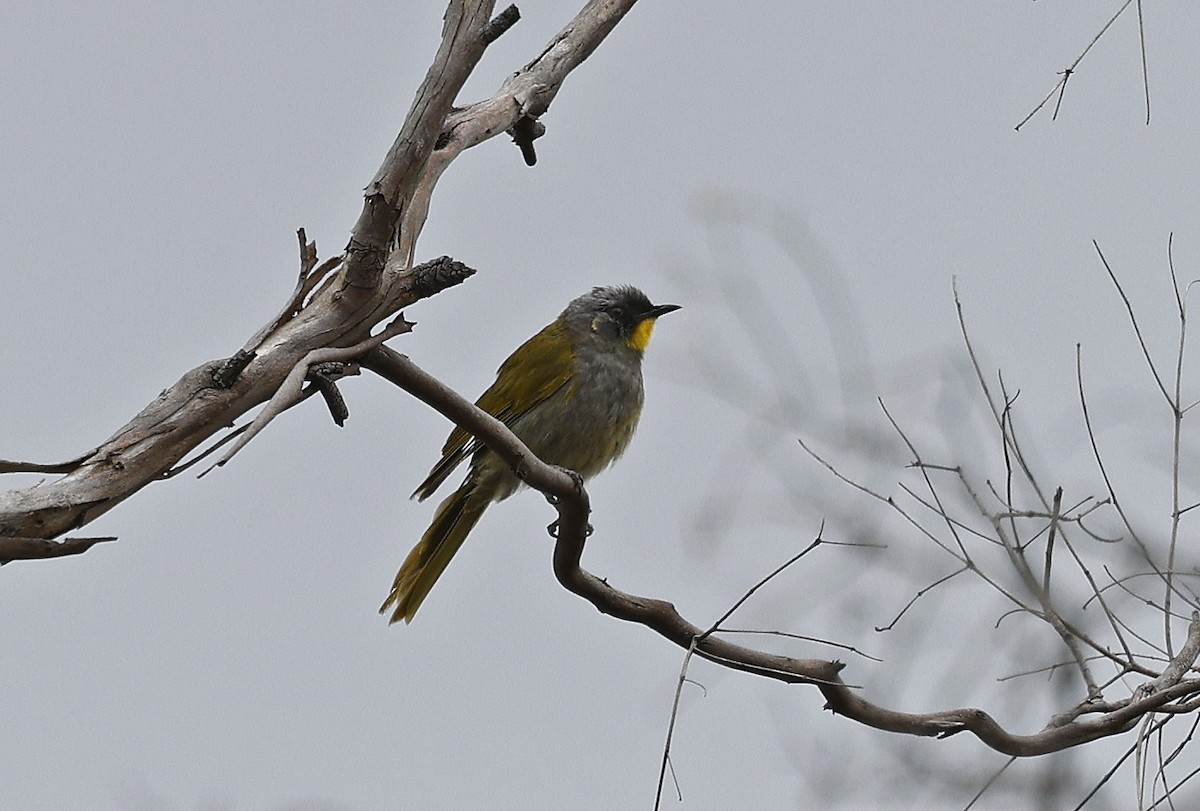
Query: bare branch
{"x": 983, "y": 789}
{"x": 13, "y": 548}
{"x": 525, "y": 94}
{"x": 1112, "y": 494}
{"x": 750, "y": 592}
{"x": 7, "y": 466}
{"x": 1145, "y": 67}
{"x": 921, "y": 593}
{"x": 1050, "y": 541}
{"x": 1137, "y": 330}
{"x": 336, "y": 304}
{"x": 805, "y": 638}
{"x": 666, "y": 756}
{"x": 1061, "y": 86}
{"x": 389, "y": 193}
{"x": 571, "y": 502}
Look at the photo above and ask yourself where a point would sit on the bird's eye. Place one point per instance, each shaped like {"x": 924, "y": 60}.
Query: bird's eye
{"x": 617, "y": 312}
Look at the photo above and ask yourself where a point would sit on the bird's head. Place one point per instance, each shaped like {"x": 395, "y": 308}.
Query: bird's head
{"x": 621, "y": 313}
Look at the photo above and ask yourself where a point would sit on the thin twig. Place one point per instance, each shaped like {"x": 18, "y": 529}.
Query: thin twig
{"x": 1050, "y": 540}
{"x": 1095, "y": 587}
{"x": 666, "y": 756}
{"x": 989, "y": 783}
{"x": 921, "y": 593}
{"x": 16, "y": 548}
{"x": 306, "y": 282}
{"x": 1145, "y": 68}
{"x": 7, "y": 466}
{"x": 1112, "y": 493}
{"x": 937, "y": 499}
{"x": 1109, "y": 774}
{"x": 944, "y": 514}
{"x": 880, "y": 497}
{"x": 997, "y": 413}
{"x": 803, "y": 637}
{"x": 1061, "y": 85}
{"x": 1176, "y": 436}
{"x": 750, "y": 593}
{"x": 1052, "y": 668}
{"x": 220, "y": 443}
{"x": 1179, "y": 750}
{"x": 933, "y": 508}
{"x": 1137, "y": 330}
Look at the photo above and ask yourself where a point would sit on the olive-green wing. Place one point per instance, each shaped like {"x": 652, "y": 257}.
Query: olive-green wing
{"x": 537, "y": 369}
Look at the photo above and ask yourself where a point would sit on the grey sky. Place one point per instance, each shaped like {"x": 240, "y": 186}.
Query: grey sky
{"x": 226, "y": 654}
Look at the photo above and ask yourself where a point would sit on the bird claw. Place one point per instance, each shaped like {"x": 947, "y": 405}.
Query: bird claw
{"x": 552, "y": 530}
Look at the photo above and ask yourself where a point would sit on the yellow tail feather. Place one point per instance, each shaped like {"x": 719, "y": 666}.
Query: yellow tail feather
{"x": 455, "y": 518}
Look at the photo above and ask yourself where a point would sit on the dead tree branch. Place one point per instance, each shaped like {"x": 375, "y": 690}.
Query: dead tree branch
{"x": 1060, "y": 88}
{"x": 12, "y": 548}
{"x": 336, "y": 304}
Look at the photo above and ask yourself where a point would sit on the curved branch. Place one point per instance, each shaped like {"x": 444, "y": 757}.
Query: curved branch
{"x": 573, "y": 506}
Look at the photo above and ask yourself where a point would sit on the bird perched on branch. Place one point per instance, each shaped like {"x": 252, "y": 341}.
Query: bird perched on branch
{"x": 572, "y": 393}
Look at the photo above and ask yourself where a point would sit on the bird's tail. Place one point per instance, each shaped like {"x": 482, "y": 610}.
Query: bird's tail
{"x": 428, "y": 559}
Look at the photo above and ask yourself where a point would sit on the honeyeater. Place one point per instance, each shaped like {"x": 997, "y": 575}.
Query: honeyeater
{"x": 572, "y": 393}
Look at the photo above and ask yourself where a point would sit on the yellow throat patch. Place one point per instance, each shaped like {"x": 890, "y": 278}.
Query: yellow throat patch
{"x": 640, "y": 338}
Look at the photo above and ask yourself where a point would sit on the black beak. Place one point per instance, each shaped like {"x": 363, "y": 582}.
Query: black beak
{"x": 661, "y": 309}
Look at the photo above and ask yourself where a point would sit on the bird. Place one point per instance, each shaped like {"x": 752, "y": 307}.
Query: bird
{"x": 572, "y": 393}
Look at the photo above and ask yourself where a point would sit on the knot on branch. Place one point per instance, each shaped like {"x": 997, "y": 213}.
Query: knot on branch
{"x": 225, "y": 375}
{"x": 364, "y": 264}
{"x": 434, "y": 276}
{"x": 373, "y": 236}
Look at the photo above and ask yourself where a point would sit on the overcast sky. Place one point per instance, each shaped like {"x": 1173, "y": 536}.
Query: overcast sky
{"x": 805, "y": 179}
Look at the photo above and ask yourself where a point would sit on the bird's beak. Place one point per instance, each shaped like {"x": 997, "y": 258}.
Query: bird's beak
{"x": 661, "y": 309}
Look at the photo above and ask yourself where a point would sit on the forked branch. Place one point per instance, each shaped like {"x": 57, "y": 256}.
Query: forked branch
{"x": 337, "y": 304}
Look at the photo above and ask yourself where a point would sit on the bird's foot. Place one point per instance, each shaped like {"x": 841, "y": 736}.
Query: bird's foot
{"x": 552, "y": 529}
